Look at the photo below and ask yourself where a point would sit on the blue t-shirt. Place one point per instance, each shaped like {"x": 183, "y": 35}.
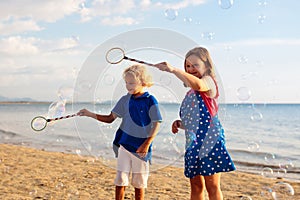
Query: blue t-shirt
{"x": 137, "y": 115}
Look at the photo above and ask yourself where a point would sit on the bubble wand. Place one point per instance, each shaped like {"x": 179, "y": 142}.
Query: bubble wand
{"x": 116, "y": 55}
{"x": 39, "y": 123}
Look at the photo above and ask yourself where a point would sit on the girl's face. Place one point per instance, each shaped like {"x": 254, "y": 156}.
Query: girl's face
{"x": 133, "y": 86}
{"x": 195, "y": 66}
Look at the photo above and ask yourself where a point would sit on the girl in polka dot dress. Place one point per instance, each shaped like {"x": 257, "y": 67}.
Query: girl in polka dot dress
{"x": 206, "y": 154}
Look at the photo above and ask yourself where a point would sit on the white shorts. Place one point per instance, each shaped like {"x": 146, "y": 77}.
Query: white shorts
{"x": 128, "y": 163}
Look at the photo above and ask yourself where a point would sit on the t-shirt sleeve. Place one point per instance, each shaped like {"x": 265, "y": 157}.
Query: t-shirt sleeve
{"x": 154, "y": 111}
{"x": 210, "y": 84}
{"x": 119, "y": 108}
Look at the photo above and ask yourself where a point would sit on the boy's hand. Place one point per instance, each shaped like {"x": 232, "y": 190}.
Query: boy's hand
{"x": 84, "y": 112}
{"x": 142, "y": 150}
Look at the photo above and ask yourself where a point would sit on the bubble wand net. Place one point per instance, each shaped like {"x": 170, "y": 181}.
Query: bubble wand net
{"x": 39, "y": 123}
{"x": 116, "y": 55}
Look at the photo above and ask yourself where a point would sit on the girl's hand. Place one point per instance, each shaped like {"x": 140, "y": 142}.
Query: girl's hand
{"x": 176, "y": 125}
{"x": 164, "y": 66}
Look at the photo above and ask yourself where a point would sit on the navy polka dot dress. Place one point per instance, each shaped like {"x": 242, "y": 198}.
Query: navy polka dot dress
{"x": 206, "y": 153}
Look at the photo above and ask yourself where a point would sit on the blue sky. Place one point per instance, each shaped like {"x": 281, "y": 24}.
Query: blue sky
{"x": 253, "y": 43}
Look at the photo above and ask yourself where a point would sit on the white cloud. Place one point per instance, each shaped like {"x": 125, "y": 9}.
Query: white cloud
{"x": 21, "y": 16}
{"x": 182, "y": 4}
{"x": 18, "y": 46}
{"x": 104, "y": 8}
{"x": 18, "y": 26}
{"x": 48, "y": 11}
{"x": 117, "y": 21}
{"x": 125, "y": 8}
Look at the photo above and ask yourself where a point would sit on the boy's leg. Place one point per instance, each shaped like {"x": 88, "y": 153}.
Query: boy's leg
{"x": 122, "y": 175}
{"x": 140, "y": 174}
{"x": 139, "y": 193}
{"x": 120, "y": 192}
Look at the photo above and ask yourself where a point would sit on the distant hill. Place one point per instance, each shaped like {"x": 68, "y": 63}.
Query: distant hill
{"x": 6, "y": 99}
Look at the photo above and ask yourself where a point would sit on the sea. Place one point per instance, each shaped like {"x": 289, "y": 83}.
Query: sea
{"x": 261, "y": 138}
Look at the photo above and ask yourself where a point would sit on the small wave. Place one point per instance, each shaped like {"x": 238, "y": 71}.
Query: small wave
{"x": 66, "y": 137}
{"x": 8, "y": 134}
{"x": 262, "y": 155}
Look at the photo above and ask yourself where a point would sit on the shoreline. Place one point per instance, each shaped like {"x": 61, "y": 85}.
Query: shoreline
{"x": 29, "y": 173}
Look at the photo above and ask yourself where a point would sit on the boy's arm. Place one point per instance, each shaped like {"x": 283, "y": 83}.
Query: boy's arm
{"x": 143, "y": 149}
{"x": 103, "y": 118}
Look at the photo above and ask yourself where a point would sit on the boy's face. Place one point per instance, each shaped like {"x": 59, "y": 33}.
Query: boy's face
{"x": 133, "y": 86}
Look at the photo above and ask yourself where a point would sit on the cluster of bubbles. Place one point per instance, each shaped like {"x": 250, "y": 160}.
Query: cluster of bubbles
{"x": 58, "y": 108}
{"x": 172, "y": 14}
{"x": 278, "y": 191}
{"x": 261, "y": 17}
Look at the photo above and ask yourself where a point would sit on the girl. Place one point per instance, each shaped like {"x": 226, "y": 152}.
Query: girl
{"x": 140, "y": 123}
{"x": 206, "y": 155}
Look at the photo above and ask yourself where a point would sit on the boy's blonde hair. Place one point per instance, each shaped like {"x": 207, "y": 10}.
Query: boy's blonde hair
{"x": 140, "y": 73}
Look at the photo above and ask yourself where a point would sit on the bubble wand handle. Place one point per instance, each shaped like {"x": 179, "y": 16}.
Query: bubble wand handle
{"x": 63, "y": 117}
{"x": 138, "y": 61}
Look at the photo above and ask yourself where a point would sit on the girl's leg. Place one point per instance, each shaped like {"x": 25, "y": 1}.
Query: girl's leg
{"x": 197, "y": 188}
{"x": 213, "y": 186}
{"x": 120, "y": 192}
{"x": 139, "y": 193}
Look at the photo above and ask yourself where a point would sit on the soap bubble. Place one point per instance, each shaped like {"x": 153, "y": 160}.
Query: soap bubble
{"x": 187, "y": 19}
{"x": 171, "y": 14}
{"x": 263, "y": 3}
{"x": 270, "y": 158}
{"x": 225, "y": 4}
{"x": 282, "y": 190}
{"x": 256, "y": 116}
{"x": 228, "y": 48}
{"x": 281, "y": 172}
{"x": 266, "y": 192}
{"x": 267, "y": 172}
{"x": 65, "y": 93}
{"x": 245, "y": 198}
{"x": 259, "y": 63}
{"x": 59, "y": 185}
{"x": 243, "y": 59}
{"x": 261, "y": 19}
{"x": 84, "y": 86}
{"x": 208, "y": 35}
{"x": 108, "y": 79}
{"x": 253, "y": 146}
{"x": 165, "y": 80}
{"x": 288, "y": 164}
{"x": 57, "y": 109}
{"x": 243, "y": 93}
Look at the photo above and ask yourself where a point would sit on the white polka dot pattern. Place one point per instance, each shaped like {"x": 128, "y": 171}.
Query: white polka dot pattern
{"x": 206, "y": 153}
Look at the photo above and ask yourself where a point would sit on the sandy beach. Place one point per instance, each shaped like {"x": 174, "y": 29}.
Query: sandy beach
{"x": 28, "y": 173}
